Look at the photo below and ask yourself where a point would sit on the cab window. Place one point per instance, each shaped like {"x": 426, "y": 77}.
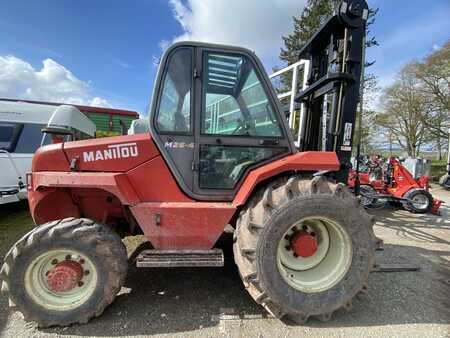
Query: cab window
{"x": 174, "y": 111}
{"x": 234, "y": 101}
{"x": 7, "y": 136}
{"x": 31, "y": 138}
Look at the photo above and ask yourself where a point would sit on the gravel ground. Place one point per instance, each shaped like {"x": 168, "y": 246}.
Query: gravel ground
{"x": 209, "y": 302}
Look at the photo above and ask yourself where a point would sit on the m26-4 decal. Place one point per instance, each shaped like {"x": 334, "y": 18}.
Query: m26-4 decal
{"x": 179, "y": 145}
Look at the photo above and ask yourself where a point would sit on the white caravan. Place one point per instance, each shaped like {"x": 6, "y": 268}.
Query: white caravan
{"x": 24, "y": 127}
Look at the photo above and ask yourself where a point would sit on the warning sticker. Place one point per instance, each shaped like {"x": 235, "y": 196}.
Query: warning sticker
{"x": 347, "y": 135}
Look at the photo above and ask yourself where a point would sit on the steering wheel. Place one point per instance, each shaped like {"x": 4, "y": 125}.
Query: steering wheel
{"x": 245, "y": 128}
{"x": 241, "y": 129}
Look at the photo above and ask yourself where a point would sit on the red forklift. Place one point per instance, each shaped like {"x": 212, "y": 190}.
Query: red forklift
{"x": 219, "y": 152}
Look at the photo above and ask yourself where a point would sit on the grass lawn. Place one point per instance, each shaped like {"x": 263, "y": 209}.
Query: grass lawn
{"x": 15, "y": 221}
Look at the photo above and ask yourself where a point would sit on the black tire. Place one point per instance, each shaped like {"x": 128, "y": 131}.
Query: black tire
{"x": 99, "y": 243}
{"x": 371, "y": 203}
{"x": 261, "y": 226}
{"x": 414, "y": 193}
{"x": 367, "y": 202}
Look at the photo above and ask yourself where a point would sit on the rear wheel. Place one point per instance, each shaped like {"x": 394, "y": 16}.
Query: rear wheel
{"x": 418, "y": 200}
{"x": 369, "y": 197}
{"x": 64, "y": 272}
{"x": 304, "y": 248}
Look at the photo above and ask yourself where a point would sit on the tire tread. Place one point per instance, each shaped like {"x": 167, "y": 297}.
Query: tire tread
{"x": 259, "y": 210}
{"x": 102, "y": 239}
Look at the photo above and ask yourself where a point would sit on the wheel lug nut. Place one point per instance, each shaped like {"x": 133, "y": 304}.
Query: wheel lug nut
{"x": 54, "y": 261}
{"x": 313, "y": 234}
{"x": 81, "y": 261}
{"x": 80, "y": 284}
{"x": 287, "y": 237}
{"x": 287, "y": 247}
{"x": 86, "y": 272}
{"x": 68, "y": 258}
{"x": 47, "y": 273}
{"x": 295, "y": 255}
{"x": 294, "y": 228}
{"x": 305, "y": 227}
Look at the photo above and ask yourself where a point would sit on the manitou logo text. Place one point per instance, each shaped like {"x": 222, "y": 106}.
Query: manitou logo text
{"x": 114, "y": 151}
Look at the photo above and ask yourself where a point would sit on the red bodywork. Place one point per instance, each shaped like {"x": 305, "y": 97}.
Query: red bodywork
{"x": 125, "y": 179}
{"x": 401, "y": 181}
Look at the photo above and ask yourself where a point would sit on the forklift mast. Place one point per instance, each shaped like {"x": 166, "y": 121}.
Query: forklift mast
{"x": 336, "y": 56}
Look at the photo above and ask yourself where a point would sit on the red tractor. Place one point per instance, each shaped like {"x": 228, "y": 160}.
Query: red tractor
{"x": 397, "y": 185}
{"x": 219, "y": 152}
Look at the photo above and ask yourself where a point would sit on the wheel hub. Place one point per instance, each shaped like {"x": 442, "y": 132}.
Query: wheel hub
{"x": 314, "y": 254}
{"x": 65, "y": 276}
{"x": 61, "y": 279}
{"x": 420, "y": 201}
{"x": 304, "y": 244}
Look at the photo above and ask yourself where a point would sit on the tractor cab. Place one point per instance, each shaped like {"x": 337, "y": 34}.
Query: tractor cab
{"x": 214, "y": 116}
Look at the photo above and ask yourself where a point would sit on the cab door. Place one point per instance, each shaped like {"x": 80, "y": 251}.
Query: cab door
{"x": 215, "y": 117}
{"x": 172, "y": 122}
{"x": 238, "y": 126}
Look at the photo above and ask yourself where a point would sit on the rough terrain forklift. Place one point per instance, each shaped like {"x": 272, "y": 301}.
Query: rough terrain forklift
{"x": 219, "y": 152}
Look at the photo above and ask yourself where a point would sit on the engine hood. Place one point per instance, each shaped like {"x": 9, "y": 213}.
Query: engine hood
{"x": 108, "y": 154}
{"x": 111, "y": 154}
{"x": 50, "y": 158}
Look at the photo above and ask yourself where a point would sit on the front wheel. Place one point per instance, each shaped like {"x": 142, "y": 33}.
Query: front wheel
{"x": 418, "y": 201}
{"x": 304, "y": 248}
{"x": 64, "y": 272}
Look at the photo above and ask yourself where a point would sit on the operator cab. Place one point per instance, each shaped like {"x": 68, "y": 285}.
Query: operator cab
{"x": 215, "y": 116}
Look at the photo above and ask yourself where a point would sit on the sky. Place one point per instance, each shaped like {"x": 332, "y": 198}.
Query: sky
{"x": 106, "y": 52}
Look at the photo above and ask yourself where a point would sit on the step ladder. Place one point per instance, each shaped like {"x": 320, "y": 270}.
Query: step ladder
{"x": 179, "y": 258}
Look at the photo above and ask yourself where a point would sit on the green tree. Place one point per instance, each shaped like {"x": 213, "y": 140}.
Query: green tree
{"x": 433, "y": 74}
{"x": 313, "y": 15}
{"x": 417, "y": 106}
{"x": 402, "y": 115}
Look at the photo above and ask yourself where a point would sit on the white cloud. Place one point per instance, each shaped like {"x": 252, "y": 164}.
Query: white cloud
{"x": 53, "y": 82}
{"x": 255, "y": 24}
{"x": 99, "y": 102}
{"x": 436, "y": 47}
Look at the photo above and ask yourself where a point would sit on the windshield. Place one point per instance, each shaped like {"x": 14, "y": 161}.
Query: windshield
{"x": 235, "y": 101}
{"x": 6, "y": 136}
